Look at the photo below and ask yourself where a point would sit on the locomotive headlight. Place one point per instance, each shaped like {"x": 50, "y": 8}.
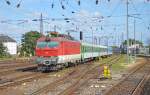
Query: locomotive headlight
{"x": 47, "y": 62}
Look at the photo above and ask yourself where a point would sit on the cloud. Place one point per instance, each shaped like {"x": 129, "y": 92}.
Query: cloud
{"x": 13, "y": 29}
{"x": 97, "y": 14}
{"x": 85, "y": 13}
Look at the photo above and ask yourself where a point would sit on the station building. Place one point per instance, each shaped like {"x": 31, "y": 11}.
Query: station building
{"x": 9, "y": 43}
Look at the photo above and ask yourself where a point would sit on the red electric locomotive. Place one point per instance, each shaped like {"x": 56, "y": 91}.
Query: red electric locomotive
{"x": 54, "y": 53}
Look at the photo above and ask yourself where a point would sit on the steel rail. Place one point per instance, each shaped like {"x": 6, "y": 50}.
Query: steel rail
{"x": 86, "y": 76}
{"x": 110, "y": 91}
{"x": 139, "y": 89}
{"x": 56, "y": 83}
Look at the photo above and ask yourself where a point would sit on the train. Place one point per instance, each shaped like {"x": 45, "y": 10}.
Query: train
{"x": 57, "y": 52}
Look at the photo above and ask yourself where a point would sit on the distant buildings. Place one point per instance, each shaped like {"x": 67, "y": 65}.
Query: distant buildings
{"x": 136, "y": 48}
{"x": 10, "y": 43}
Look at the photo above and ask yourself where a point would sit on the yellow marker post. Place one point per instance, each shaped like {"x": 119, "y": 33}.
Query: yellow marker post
{"x": 107, "y": 73}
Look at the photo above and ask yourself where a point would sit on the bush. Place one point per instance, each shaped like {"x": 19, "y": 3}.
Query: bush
{"x": 3, "y": 51}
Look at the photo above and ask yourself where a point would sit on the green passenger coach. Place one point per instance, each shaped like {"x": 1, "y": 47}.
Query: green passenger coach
{"x": 92, "y": 51}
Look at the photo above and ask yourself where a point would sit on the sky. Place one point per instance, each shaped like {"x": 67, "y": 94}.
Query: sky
{"x": 107, "y": 18}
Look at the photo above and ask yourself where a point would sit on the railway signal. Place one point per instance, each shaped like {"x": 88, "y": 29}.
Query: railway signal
{"x": 81, "y": 35}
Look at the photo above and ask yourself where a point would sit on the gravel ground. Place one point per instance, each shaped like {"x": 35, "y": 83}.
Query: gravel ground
{"x": 146, "y": 90}
{"x": 59, "y": 88}
{"x": 99, "y": 86}
{"x": 29, "y": 87}
{"x": 93, "y": 87}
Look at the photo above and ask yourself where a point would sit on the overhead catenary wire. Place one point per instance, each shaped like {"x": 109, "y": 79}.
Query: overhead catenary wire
{"x": 115, "y": 9}
{"x": 139, "y": 14}
{"x": 105, "y": 17}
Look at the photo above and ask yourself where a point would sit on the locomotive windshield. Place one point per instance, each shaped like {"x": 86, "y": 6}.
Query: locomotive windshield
{"x": 47, "y": 44}
{"x": 41, "y": 44}
{"x": 52, "y": 44}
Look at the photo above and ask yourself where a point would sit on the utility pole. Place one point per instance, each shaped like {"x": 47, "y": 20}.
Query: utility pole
{"x": 122, "y": 37}
{"x": 122, "y": 42}
{"x": 95, "y": 38}
{"x": 118, "y": 40}
{"x": 141, "y": 37}
{"x": 92, "y": 40}
{"x": 107, "y": 43}
{"x": 41, "y": 24}
{"x": 99, "y": 40}
{"x": 128, "y": 59}
{"x": 115, "y": 42}
{"x": 134, "y": 40}
{"x": 55, "y": 28}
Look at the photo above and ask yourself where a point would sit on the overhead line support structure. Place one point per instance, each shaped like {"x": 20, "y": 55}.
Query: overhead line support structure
{"x": 128, "y": 56}
{"x": 41, "y": 24}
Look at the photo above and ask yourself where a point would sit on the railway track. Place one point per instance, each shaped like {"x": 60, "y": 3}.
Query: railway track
{"x": 133, "y": 83}
{"x": 36, "y": 75}
{"x": 25, "y": 78}
{"x": 14, "y": 66}
{"x": 21, "y": 79}
{"x": 26, "y": 73}
{"x": 74, "y": 74}
{"x": 14, "y": 63}
{"x": 85, "y": 77}
{"x": 146, "y": 87}
{"x": 8, "y": 62}
{"x": 77, "y": 76}
{"x": 139, "y": 89}
{"x": 17, "y": 69}
{"x": 6, "y": 66}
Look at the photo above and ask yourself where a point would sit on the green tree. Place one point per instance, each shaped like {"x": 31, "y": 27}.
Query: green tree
{"x": 28, "y": 43}
{"x": 3, "y": 49}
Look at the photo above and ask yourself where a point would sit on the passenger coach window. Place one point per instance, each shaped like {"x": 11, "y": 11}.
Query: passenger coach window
{"x": 52, "y": 44}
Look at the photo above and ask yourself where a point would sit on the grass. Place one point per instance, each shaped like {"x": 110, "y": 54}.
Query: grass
{"x": 3, "y": 59}
{"x": 105, "y": 60}
{"x": 118, "y": 66}
{"x": 12, "y": 58}
{"x": 121, "y": 64}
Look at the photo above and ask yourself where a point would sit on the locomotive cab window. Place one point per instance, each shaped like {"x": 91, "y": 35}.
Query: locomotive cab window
{"x": 52, "y": 44}
{"x": 47, "y": 44}
{"x": 41, "y": 44}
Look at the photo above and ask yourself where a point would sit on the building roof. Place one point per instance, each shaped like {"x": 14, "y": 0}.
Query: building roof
{"x": 4, "y": 38}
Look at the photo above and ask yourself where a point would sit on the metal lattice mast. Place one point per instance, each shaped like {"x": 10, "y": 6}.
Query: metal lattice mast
{"x": 134, "y": 39}
{"x": 127, "y": 32}
{"x": 41, "y": 24}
